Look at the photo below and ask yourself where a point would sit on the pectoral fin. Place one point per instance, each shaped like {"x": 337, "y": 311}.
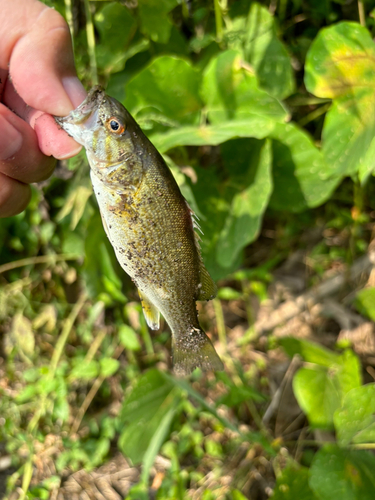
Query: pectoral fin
{"x": 152, "y": 315}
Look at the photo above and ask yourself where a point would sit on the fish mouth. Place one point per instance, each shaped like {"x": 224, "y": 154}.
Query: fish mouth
{"x": 82, "y": 113}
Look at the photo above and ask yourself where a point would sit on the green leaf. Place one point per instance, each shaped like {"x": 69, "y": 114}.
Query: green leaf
{"x": 100, "y": 262}
{"x": 230, "y": 90}
{"x": 309, "y": 351}
{"x": 365, "y": 302}
{"x": 255, "y": 126}
{"x": 84, "y": 370}
{"x": 168, "y": 88}
{"x": 267, "y": 54}
{"x": 243, "y": 223}
{"x": 156, "y": 442}
{"x": 348, "y": 371}
{"x": 128, "y": 338}
{"x": 338, "y": 474}
{"x": 340, "y": 65}
{"x": 318, "y": 395}
{"x": 143, "y": 412}
{"x": 299, "y": 171}
{"x": 115, "y": 25}
{"x": 355, "y": 420}
{"x": 293, "y": 483}
{"x": 154, "y": 18}
{"x": 108, "y": 366}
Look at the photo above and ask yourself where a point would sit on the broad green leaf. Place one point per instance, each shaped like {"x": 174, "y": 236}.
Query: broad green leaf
{"x": 267, "y": 54}
{"x": 309, "y": 351}
{"x": 243, "y": 222}
{"x": 154, "y": 18}
{"x": 231, "y": 91}
{"x": 168, "y": 88}
{"x": 108, "y": 366}
{"x": 317, "y": 394}
{"x": 339, "y": 474}
{"x": 348, "y": 371}
{"x": 156, "y": 442}
{"x": 258, "y": 127}
{"x": 340, "y": 65}
{"x": 355, "y": 420}
{"x": 116, "y": 26}
{"x": 299, "y": 171}
{"x": 143, "y": 413}
{"x": 365, "y": 302}
{"x": 100, "y": 262}
{"x": 293, "y": 483}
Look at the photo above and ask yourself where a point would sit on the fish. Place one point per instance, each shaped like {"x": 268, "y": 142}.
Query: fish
{"x": 149, "y": 224}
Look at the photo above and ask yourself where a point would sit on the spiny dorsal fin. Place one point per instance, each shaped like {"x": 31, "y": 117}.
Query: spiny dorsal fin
{"x": 207, "y": 287}
{"x": 150, "y": 312}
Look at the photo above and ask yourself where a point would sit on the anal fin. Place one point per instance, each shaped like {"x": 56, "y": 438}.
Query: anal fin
{"x": 150, "y": 312}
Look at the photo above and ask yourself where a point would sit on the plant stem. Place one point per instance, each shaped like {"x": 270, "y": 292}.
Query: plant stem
{"x": 220, "y": 324}
{"x": 218, "y": 21}
{"x": 69, "y": 18}
{"x": 40, "y": 259}
{"x": 91, "y": 43}
{"x": 361, "y": 12}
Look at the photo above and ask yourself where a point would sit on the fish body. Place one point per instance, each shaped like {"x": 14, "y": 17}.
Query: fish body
{"x": 149, "y": 224}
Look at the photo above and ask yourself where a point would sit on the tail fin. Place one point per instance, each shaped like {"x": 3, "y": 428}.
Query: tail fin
{"x": 194, "y": 350}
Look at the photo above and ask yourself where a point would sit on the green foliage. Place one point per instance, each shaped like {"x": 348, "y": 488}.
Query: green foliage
{"x": 346, "y": 474}
{"x": 218, "y": 88}
{"x": 320, "y": 387}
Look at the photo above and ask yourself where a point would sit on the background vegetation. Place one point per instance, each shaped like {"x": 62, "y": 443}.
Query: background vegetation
{"x": 265, "y": 112}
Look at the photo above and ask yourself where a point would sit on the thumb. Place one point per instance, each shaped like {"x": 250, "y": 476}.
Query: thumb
{"x": 41, "y": 62}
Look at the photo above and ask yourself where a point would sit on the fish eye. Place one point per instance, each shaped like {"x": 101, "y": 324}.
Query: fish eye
{"x": 114, "y": 125}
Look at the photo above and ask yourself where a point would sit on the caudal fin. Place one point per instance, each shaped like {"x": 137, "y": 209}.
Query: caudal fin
{"x": 194, "y": 350}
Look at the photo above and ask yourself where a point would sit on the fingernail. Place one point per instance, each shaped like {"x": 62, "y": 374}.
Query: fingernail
{"x": 65, "y": 156}
{"x": 75, "y": 90}
{"x": 10, "y": 139}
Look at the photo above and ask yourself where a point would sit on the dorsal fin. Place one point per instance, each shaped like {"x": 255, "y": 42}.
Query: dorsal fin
{"x": 150, "y": 312}
{"x": 207, "y": 288}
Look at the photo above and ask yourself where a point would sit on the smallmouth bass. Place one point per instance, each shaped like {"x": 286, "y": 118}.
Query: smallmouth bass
{"x": 149, "y": 224}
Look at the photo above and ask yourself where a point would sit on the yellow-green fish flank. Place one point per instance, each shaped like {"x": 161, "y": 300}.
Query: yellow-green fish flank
{"x": 148, "y": 223}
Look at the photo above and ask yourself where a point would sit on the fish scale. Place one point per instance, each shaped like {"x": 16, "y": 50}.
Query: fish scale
{"x": 148, "y": 223}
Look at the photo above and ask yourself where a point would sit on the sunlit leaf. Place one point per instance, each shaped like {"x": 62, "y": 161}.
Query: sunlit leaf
{"x": 317, "y": 394}
{"x": 340, "y": 65}
{"x": 343, "y": 474}
{"x": 267, "y": 54}
{"x": 254, "y": 126}
{"x": 355, "y": 420}
{"x": 230, "y": 90}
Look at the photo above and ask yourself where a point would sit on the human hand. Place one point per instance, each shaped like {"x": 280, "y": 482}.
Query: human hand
{"x": 37, "y": 80}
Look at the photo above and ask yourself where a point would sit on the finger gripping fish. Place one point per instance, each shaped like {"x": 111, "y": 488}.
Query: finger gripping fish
{"x": 148, "y": 223}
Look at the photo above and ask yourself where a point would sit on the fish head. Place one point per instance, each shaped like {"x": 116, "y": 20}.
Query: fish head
{"x": 103, "y": 126}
